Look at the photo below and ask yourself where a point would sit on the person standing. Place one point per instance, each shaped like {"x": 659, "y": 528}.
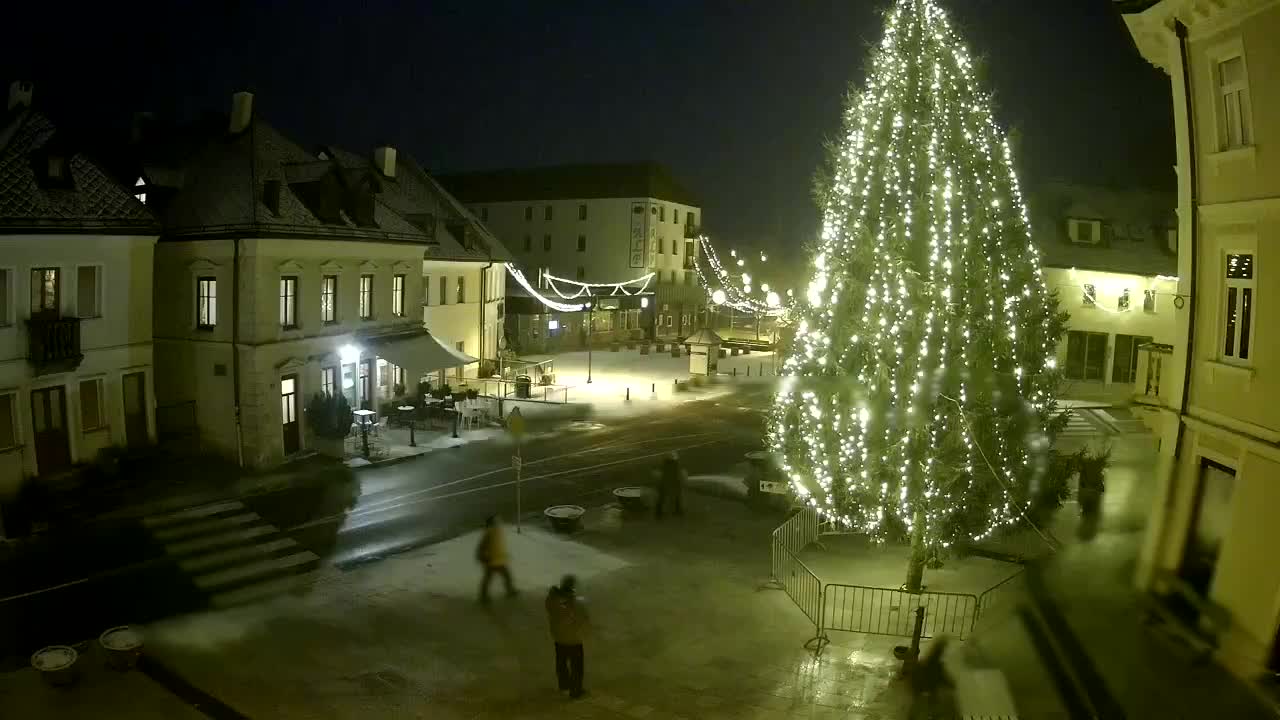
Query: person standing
{"x": 492, "y": 555}
{"x": 567, "y": 615}
{"x": 670, "y": 485}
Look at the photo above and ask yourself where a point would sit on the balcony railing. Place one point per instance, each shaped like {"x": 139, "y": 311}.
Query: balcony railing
{"x": 53, "y": 343}
{"x": 692, "y": 231}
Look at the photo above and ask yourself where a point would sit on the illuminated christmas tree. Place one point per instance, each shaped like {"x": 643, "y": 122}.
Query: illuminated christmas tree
{"x": 923, "y": 371}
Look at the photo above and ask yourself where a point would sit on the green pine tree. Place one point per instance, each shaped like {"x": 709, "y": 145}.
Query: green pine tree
{"x": 923, "y": 364}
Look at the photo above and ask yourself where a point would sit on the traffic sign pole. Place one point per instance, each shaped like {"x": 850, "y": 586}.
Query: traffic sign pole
{"x": 515, "y": 426}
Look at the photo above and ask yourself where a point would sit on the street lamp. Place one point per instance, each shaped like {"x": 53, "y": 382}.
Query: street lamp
{"x": 590, "y": 310}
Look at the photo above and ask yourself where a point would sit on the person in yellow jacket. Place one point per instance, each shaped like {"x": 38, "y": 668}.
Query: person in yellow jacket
{"x": 492, "y": 555}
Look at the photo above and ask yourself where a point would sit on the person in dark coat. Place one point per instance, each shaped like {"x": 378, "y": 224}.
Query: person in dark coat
{"x": 670, "y": 485}
{"x": 567, "y": 615}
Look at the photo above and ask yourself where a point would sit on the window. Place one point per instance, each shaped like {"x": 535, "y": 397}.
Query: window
{"x": 1089, "y": 297}
{"x": 662, "y": 213}
{"x": 582, "y": 272}
{"x": 139, "y": 192}
{"x": 206, "y": 302}
{"x": 329, "y": 381}
{"x": 366, "y": 297}
{"x": 461, "y": 291}
{"x": 8, "y": 421}
{"x": 1125, "y": 364}
{"x": 1238, "y": 301}
{"x": 546, "y": 213}
{"x": 546, "y": 243}
{"x": 668, "y": 321}
{"x": 92, "y": 416}
{"x": 329, "y": 298}
{"x": 45, "y": 292}
{"x": 89, "y": 291}
{"x": 484, "y": 214}
{"x": 502, "y": 309}
{"x": 288, "y": 393}
{"x": 288, "y": 302}
{"x": 1122, "y": 304}
{"x": 662, "y": 246}
{"x": 690, "y": 220}
{"x": 528, "y": 243}
{"x": 675, "y": 216}
{"x": 1086, "y": 355}
{"x": 6, "y": 305}
{"x": 426, "y": 290}
{"x": 444, "y": 290}
{"x": 1084, "y": 232}
{"x": 397, "y": 295}
{"x": 582, "y": 243}
{"x": 582, "y": 211}
{"x": 528, "y": 212}
{"x": 675, "y": 248}
{"x": 1149, "y": 301}
{"x": 1235, "y": 114}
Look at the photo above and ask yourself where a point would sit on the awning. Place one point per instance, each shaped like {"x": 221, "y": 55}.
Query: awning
{"x": 418, "y": 352}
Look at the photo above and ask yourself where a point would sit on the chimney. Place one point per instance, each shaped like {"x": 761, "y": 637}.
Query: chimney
{"x": 241, "y": 111}
{"x": 20, "y": 93}
{"x": 384, "y": 158}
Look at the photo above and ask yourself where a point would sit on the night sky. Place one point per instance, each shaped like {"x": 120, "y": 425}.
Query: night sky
{"x": 736, "y": 96}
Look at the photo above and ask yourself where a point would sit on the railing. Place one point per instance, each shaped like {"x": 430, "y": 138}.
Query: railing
{"x": 997, "y": 595}
{"x": 803, "y": 587}
{"x": 798, "y": 531}
{"x": 882, "y": 611}
{"x": 53, "y": 343}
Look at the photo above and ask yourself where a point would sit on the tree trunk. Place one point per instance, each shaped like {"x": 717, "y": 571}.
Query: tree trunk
{"x": 915, "y": 568}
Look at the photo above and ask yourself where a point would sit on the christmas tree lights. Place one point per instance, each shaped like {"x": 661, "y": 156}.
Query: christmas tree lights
{"x": 922, "y": 378}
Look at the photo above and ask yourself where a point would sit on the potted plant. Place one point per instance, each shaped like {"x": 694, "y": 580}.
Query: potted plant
{"x": 472, "y": 393}
{"x": 330, "y": 421}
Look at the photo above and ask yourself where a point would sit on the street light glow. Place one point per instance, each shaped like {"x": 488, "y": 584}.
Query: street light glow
{"x": 772, "y": 300}
{"x": 718, "y": 297}
{"x": 349, "y": 354}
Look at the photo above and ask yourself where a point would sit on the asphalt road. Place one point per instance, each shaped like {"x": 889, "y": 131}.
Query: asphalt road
{"x": 387, "y": 509}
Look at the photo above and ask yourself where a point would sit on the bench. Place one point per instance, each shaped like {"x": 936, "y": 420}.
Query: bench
{"x": 1186, "y": 615}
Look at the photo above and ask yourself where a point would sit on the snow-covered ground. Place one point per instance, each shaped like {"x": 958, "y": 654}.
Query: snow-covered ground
{"x": 651, "y": 380}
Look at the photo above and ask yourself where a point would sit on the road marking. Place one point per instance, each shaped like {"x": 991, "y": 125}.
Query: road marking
{"x": 373, "y": 511}
{"x": 191, "y": 513}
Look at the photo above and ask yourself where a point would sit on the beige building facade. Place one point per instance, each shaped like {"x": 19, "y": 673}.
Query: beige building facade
{"x": 1214, "y": 523}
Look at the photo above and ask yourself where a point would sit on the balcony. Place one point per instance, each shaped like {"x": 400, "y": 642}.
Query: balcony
{"x": 53, "y": 343}
{"x": 692, "y": 231}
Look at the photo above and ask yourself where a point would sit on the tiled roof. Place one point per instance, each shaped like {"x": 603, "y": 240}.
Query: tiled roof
{"x": 93, "y": 202}
{"x": 568, "y": 182}
{"x": 1140, "y": 218}
{"x": 414, "y": 194}
{"x": 223, "y": 189}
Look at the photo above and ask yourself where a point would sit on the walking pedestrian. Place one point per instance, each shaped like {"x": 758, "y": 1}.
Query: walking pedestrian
{"x": 670, "y": 485}
{"x": 567, "y": 615}
{"x": 492, "y": 556}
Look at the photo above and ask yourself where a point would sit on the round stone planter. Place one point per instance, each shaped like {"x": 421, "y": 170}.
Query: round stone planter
{"x": 122, "y": 645}
{"x": 56, "y": 663}
{"x": 565, "y": 518}
{"x": 630, "y": 498}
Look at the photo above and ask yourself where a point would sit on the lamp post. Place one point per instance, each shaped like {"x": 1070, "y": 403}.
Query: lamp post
{"x": 408, "y": 411}
{"x": 590, "y": 310}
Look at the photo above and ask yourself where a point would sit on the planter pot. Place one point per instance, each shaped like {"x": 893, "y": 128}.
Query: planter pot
{"x": 614, "y": 347}
{"x": 57, "y": 664}
{"x": 675, "y": 351}
{"x": 329, "y": 447}
{"x": 661, "y": 347}
{"x": 565, "y": 518}
{"x": 630, "y": 498}
{"x": 123, "y": 645}
{"x": 644, "y": 349}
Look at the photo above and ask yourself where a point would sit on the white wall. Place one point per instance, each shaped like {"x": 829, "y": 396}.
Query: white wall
{"x": 453, "y": 322}
{"x": 116, "y": 342}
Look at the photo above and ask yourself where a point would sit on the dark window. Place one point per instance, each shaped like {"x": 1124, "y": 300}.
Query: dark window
{"x": 484, "y": 214}
{"x": 546, "y": 243}
{"x": 1086, "y": 355}
{"x": 662, "y": 213}
{"x": 444, "y": 290}
{"x": 528, "y": 212}
{"x": 582, "y": 243}
{"x": 675, "y": 216}
{"x": 1125, "y": 364}
{"x": 582, "y": 212}
{"x": 528, "y": 243}
{"x": 461, "y": 290}
{"x": 546, "y": 213}
{"x": 329, "y": 381}
{"x": 582, "y": 272}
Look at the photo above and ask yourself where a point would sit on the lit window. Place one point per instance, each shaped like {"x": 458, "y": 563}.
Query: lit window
{"x": 206, "y": 302}
{"x": 1122, "y": 304}
{"x": 45, "y": 290}
{"x": 1084, "y": 232}
{"x": 366, "y": 297}
{"x": 1090, "y": 295}
{"x": 1237, "y": 328}
{"x": 1234, "y": 113}
{"x": 288, "y": 302}
{"x": 397, "y": 295}
{"x": 329, "y": 298}
{"x": 1149, "y": 301}
{"x": 329, "y": 381}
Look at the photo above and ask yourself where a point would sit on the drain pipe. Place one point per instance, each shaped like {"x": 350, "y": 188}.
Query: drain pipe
{"x": 1194, "y": 224}
{"x": 484, "y": 302}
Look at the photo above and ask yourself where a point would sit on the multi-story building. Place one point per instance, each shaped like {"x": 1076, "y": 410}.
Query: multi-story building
{"x": 1213, "y": 528}
{"x": 1111, "y": 255}
{"x": 75, "y": 303}
{"x": 597, "y": 224}
{"x": 282, "y": 273}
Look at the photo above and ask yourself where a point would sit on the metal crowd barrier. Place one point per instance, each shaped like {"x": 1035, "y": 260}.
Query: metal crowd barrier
{"x": 883, "y": 611}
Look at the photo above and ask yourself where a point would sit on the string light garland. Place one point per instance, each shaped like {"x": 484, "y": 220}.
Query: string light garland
{"x": 732, "y": 289}
{"x": 921, "y": 379}
{"x": 626, "y": 287}
{"x": 552, "y": 304}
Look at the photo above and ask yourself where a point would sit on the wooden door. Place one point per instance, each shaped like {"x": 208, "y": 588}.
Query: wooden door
{"x": 135, "y": 410}
{"x": 49, "y": 430}
{"x": 289, "y": 414}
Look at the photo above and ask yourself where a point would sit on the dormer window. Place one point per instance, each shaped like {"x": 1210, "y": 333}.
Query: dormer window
{"x": 1084, "y": 232}
{"x": 52, "y": 168}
